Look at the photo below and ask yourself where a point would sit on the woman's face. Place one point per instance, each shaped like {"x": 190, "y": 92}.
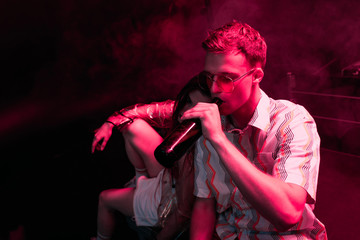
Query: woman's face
{"x": 193, "y": 98}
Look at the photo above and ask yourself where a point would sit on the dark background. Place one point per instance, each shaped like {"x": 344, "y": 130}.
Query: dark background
{"x": 67, "y": 65}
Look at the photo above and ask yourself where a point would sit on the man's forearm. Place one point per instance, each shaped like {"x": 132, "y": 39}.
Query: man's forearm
{"x": 203, "y": 219}
{"x": 280, "y": 202}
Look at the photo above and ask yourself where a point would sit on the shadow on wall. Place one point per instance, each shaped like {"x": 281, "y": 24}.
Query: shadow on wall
{"x": 96, "y": 56}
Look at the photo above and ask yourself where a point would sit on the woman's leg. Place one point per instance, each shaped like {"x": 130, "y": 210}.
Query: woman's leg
{"x": 110, "y": 201}
{"x": 141, "y": 141}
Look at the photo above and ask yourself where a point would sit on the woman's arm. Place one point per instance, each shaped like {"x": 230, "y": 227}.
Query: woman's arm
{"x": 203, "y": 219}
{"x": 157, "y": 114}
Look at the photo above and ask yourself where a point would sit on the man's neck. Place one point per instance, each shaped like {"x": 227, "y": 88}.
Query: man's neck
{"x": 241, "y": 117}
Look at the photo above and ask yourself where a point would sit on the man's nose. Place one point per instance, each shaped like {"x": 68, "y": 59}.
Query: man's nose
{"x": 215, "y": 88}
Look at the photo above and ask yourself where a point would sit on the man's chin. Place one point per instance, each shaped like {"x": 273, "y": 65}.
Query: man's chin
{"x": 224, "y": 112}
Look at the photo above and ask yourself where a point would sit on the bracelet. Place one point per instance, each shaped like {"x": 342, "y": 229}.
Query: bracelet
{"x": 110, "y": 122}
{"x": 131, "y": 120}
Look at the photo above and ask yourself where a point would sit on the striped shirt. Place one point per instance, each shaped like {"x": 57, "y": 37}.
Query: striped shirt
{"x": 281, "y": 139}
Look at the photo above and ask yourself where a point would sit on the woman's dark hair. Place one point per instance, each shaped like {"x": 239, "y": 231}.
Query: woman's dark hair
{"x": 183, "y": 97}
{"x": 181, "y": 100}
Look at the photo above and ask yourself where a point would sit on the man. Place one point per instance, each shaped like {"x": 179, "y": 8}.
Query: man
{"x": 256, "y": 165}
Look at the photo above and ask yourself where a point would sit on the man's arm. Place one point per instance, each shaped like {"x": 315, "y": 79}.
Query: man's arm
{"x": 203, "y": 219}
{"x": 280, "y": 202}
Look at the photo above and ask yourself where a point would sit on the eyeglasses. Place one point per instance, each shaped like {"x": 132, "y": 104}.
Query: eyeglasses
{"x": 224, "y": 81}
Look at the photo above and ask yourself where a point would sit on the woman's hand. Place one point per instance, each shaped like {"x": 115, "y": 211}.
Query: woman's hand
{"x": 102, "y": 136}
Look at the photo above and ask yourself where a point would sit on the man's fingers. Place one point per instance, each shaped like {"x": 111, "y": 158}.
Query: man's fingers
{"x": 197, "y": 112}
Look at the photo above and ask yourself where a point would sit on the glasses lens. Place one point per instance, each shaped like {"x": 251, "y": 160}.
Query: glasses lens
{"x": 224, "y": 83}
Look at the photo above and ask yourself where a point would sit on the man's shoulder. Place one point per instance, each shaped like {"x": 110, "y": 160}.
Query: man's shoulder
{"x": 281, "y": 108}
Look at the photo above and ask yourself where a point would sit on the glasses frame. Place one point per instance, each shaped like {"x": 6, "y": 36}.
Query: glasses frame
{"x": 212, "y": 76}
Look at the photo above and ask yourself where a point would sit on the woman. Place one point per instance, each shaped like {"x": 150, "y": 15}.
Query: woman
{"x": 162, "y": 197}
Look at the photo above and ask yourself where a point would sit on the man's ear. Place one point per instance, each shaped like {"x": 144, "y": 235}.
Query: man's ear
{"x": 258, "y": 75}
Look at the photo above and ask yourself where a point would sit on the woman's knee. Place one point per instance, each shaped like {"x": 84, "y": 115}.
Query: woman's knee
{"x": 117, "y": 199}
{"x": 135, "y": 128}
{"x": 104, "y": 196}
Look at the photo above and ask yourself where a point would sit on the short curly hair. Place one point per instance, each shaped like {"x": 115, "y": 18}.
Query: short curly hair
{"x": 235, "y": 38}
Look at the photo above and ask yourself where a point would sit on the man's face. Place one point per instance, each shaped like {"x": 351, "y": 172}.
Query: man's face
{"x": 232, "y": 65}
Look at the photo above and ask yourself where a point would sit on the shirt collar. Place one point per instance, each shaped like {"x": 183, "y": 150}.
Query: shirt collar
{"x": 260, "y": 118}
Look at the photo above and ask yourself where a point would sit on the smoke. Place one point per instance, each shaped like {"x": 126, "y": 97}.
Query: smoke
{"x": 165, "y": 49}
{"x": 125, "y": 52}
{"x": 308, "y": 38}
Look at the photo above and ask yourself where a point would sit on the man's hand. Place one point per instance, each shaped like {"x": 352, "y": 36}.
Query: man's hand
{"x": 209, "y": 115}
{"x": 102, "y": 136}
